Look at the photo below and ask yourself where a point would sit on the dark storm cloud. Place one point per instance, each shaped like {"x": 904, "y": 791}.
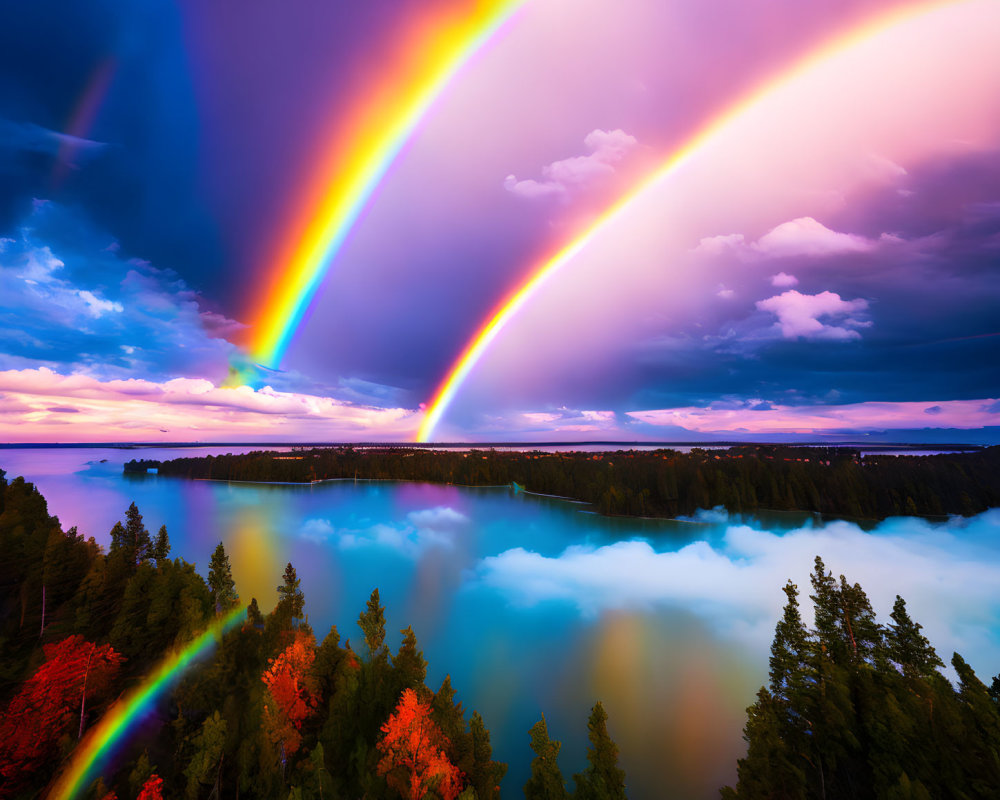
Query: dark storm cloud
{"x": 144, "y": 185}
{"x": 930, "y": 284}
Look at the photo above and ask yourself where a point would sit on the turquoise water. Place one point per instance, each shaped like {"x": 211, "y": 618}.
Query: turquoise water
{"x": 536, "y": 605}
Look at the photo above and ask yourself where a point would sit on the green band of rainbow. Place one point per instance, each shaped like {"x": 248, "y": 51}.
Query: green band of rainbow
{"x": 100, "y": 742}
{"x": 695, "y": 146}
{"x": 319, "y": 232}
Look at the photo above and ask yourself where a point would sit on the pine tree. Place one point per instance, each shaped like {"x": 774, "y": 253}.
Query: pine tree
{"x": 603, "y": 779}
{"x": 161, "y": 547}
{"x": 826, "y": 608}
{"x": 254, "y": 617}
{"x": 788, "y": 650}
{"x": 546, "y": 781}
{"x": 208, "y": 744}
{"x": 863, "y": 635}
{"x": 372, "y": 624}
{"x": 137, "y": 539}
{"x": 220, "y": 582}
{"x": 906, "y": 647}
{"x": 408, "y": 665}
{"x": 117, "y": 537}
{"x": 291, "y": 601}
{"x": 771, "y": 769}
{"x": 486, "y": 774}
{"x": 982, "y": 725}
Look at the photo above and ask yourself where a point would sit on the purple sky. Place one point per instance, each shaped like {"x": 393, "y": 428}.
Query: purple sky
{"x": 825, "y": 266}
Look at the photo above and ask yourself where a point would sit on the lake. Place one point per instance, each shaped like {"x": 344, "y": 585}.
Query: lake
{"x": 537, "y": 605}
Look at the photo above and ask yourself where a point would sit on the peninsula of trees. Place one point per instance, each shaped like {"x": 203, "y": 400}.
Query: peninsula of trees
{"x": 829, "y": 480}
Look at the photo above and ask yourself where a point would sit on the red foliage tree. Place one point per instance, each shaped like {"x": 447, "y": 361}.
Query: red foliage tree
{"x": 292, "y": 692}
{"x": 152, "y": 789}
{"x": 413, "y": 758}
{"x": 50, "y": 703}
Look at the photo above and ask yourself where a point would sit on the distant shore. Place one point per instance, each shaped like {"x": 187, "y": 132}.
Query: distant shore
{"x": 662, "y": 482}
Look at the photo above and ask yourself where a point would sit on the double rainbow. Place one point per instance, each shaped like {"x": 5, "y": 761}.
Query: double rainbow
{"x": 99, "y": 744}
{"x": 366, "y": 143}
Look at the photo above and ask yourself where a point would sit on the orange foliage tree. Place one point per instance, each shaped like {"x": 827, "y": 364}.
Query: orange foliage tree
{"x": 152, "y": 789}
{"x": 50, "y": 703}
{"x": 413, "y": 758}
{"x": 292, "y": 692}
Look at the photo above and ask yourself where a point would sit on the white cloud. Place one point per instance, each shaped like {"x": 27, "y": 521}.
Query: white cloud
{"x": 606, "y": 149}
{"x": 441, "y": 518}
{"x": 807, "y": 237}
{"x": 799, "y": 315}
{"x": 96, "y": 306}
{"x": 947, "y": 572}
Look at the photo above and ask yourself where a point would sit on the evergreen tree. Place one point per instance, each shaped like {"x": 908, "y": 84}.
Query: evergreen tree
{"x": 291, "y": 601}
{"x": 117, "y": 537}
{"x": 372, "y": 624}
{"x": 546, "y": 781}
{"x": 161, "y": 547}
{"x": 906, "y": 647}
{"x": 486, "y": 774}
{"x": 982, "y": 728}
{"x": 771, "y": 768}
{"x": 408, "y": 665}
{"x": 603, "y": 779}
{"x": 254, "y": 617}
{"x": 220, "y": 582}
{"x": 137, "y": 539}
{"x": 788, "y": 650}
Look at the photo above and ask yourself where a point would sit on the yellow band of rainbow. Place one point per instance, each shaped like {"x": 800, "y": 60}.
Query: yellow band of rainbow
{"x": 368, "y": 141}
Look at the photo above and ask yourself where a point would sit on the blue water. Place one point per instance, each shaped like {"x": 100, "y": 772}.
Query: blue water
{"x": 504, "y": 595}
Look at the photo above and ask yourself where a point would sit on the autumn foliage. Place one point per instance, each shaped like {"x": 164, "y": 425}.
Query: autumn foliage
{"x": 413, "y": 753}
{"x": 48, "y": 706}
{"x": 152, "y": 789}
{"x": 292, "y": 694}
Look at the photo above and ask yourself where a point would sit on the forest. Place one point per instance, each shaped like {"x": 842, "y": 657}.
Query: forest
{"x": 852, "y": 709}
{"x": 274, "y": 713}
{"x": 828, "y": 480}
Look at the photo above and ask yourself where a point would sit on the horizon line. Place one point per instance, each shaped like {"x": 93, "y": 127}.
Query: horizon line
{"x": 408, "y": 445}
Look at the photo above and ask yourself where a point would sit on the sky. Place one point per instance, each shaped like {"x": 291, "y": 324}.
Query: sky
{"x": 690, "y": 220}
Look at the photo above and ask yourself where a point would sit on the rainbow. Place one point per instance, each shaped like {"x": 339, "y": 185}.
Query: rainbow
{"x": 697, "y": 144}
{"x": 98, "y": 745}
{"x": 356, "y": 160}
{"x": 84, "y": 115}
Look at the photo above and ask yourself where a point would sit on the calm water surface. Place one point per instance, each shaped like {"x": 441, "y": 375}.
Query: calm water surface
{"x": 675, "y": 685}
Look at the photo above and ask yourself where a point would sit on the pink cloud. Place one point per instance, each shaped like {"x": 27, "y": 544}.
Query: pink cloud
{"x": 183, "y": 409}
{"x": 607, "y": 148}
{"x": 799, "y": 315}
{"x": 869, "y": 416}
{"x": 807, "y": 237}
{"x": 783, "y": 280}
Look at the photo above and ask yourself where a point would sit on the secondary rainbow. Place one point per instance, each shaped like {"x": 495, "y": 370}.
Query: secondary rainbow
{"x": 357, "y": 158}
{"x": 702, "y": 140}
{"x": 98, "y": 745}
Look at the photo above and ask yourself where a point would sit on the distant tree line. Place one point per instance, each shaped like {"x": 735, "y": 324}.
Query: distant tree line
{"x": 829, "y": 480}
{"x": 857, "y": 709}
{"x": 272, "y": 714}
